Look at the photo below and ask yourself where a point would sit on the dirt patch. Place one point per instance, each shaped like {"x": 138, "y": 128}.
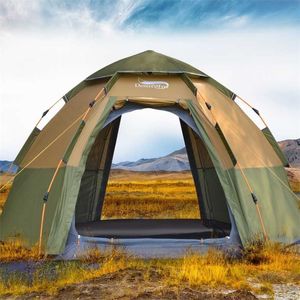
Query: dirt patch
{"x": 286, "y": 291}
{"x": 134, "y": 285}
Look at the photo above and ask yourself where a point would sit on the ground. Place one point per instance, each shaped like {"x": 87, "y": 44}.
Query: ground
{"x": 150, "y": 195}
{"x": 262, "y": 270}
{"x": 131, "y": 284}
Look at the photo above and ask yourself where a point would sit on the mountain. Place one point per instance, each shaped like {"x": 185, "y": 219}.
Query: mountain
{"x": 5, "y": 167}
{"x": 291, "y": 150}
{"x": 175, "y": 161}
{"x": 178, "y": 160}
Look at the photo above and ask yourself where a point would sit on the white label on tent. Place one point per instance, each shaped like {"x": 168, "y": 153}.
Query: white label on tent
{"x": 159, "y": 85}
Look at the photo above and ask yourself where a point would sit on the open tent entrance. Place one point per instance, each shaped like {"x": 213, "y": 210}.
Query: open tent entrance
{"x": 148, "y": 178}
{"x": 214, "y": 218}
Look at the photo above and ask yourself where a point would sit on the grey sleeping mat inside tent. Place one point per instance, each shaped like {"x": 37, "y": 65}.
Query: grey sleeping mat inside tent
{"x": 146, "y": 228}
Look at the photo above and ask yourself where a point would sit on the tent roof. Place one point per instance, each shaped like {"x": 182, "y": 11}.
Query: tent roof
{"x": 147, "y": 61}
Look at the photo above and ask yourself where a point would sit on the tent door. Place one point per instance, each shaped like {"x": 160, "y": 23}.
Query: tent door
{"x": 95, "y": 177}
{"x": 211, "y": 197}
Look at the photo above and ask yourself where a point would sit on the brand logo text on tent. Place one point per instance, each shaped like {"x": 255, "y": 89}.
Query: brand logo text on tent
{"x": 159, "y": 85}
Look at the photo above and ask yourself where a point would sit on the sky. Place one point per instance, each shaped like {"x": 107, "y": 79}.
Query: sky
{"x": 48, "y": 46}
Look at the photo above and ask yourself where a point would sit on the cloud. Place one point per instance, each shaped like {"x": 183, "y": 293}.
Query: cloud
{"x": 87, "y": 16}
{"x": 15, "y": 13}
{"x": 106, "y": 16}
{"x": 208, "y": 15}
{"x": 47, "y": 47}
{"x": 147, "y": 133}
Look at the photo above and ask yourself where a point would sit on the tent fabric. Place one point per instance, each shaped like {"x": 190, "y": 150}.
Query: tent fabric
{"x": 65, "y": 117}
{"x": 148, "y": 61}
{"x": 94, "y": 180}
{"x": 30, "y": 140}
{"x": 217, "y": 131}
{"x": 207, "y": 184}
{"x": 238, "y": 128}
{"x": 268, "y": 134}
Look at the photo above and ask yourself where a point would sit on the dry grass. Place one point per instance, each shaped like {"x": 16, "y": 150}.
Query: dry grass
{"x": 52, "y": 276}
{"x": 15, "y": 250}
{"x": 294, "y": 178}
{"x": 152, "y": 198}
{"x": 263, "y": 264}
{"x": 3, "y": 196}
{"x": 272, "y": 264}
{"x": 4, "y": 193}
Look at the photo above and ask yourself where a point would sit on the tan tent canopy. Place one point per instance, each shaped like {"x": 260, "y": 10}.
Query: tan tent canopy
{"x": 63, "y": 168}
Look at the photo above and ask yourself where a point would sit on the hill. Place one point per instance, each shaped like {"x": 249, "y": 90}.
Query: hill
{"x": 173, "y": 162}
{"x": 291, "y": 150}
{"x": 5, "y": 167}
{"x": 178, "y": 160}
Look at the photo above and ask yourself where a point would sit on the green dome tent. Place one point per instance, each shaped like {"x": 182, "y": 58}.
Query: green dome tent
{"x": 238, "y": 169}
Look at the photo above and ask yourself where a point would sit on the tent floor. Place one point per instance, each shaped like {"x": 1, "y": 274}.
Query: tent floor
{"x": 146, "y": 228}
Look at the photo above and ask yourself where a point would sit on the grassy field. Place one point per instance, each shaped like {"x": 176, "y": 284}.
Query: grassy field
{"x": 145, "y": 195}
{"x": 150, "y": 196}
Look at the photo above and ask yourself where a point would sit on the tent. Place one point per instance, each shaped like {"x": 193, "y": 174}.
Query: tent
{"x": 238, "y": 169}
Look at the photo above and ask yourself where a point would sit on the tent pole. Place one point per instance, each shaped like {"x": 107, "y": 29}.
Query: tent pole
{"x": 244, "y": 177}
{"x": 41, "y": 229}
{"x": 42, "y": 151}
{"x": 92, "y": 103}
{"x": 254, "y": 109}
{"x": 46, "y": 111}
{"x": 44, "y": 206}
{"x": 273, "y": 173}
{"x": 83, "y": 117}
{"x": 255, "y": 202}
{"x": 38, "y": 122}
